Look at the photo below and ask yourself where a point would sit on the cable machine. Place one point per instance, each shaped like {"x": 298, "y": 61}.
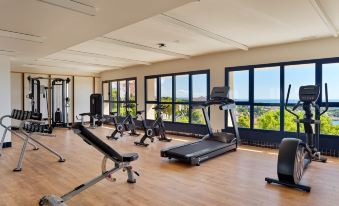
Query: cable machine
{"x": 59, "y": 90}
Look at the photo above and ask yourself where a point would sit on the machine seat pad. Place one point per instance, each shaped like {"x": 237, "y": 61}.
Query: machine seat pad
{"x": 129, "y": 157}
{"x": 101, "y": 146}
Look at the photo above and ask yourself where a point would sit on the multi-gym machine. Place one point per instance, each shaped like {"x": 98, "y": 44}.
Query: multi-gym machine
{"x": 58, "y": 90}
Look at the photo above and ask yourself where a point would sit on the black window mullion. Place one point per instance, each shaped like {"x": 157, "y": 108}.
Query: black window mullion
{"x": 282, "y": 98}
{"x": 190, "y": 95}
{"x": 173, "y": 97}
{"x": 251, "y": 96}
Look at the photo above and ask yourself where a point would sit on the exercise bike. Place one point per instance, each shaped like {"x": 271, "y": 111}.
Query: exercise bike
{"x": 127, "y": 124}
{"x": 294, "y": 154}
{"x": 155, "y": 129}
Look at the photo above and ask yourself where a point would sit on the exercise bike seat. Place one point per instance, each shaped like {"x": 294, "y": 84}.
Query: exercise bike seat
{"x": 129, "y": 157}
{"x": 113, "y": 113}
{"x": 140, "y": 112}
{"x": 85, "y": 114}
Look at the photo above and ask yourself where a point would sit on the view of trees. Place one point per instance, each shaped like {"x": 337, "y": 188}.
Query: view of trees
{"x": 269, "y": 119}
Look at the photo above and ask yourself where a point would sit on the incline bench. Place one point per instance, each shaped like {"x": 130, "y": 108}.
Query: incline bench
{"x": 122, "y": 161}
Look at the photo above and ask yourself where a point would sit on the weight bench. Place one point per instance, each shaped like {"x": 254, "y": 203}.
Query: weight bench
{"x": 122, "y": 161}
{"x": 30, "y": 126}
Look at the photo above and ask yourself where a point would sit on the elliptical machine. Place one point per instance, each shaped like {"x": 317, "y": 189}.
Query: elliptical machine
{"x": 294, "y": 154}
{"x": 127, "y": 124}
{"x": 155, "y": 129}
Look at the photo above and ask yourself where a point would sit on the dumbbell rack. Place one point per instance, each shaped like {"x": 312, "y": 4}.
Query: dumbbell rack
{"x": 30, "y": 127}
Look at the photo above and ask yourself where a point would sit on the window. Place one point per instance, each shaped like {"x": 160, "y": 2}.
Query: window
{"x": 239, "y": 85}
{"x": 298, "y": 75}
{"x": 199, "y": 87}
{"x": 330, "y": 74}
{"x": 330, "y": 120}
{"x": 267, "y": 118}
{"x": 239, "y": 91}
{"x": 119, "y": 93}
{"x": 267, "y": 85}
{"x": 260, "y": 94}
{"x": 178, "y": 91}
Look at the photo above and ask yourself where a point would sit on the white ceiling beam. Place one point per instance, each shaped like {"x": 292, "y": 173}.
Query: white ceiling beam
{"x": 324, "y": 17}
{"x": 198, "y": 30}
{"x": 140, "y": 47}
{"x": 102, "y": 56}
{"x": 21, "y": 36}
{"x": 61, "y": 61}
{"x": 80, "y": 6}
{"x": 7, "y": 52}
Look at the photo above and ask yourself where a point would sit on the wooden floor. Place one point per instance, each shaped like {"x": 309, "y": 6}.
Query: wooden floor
{"x": 233, "y": 179}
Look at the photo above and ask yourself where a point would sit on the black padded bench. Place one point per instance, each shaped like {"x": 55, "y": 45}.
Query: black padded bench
{"x": 122, "y": 161}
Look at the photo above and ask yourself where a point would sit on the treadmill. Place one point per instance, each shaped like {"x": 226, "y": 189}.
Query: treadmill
{"x": 214, "y": 143}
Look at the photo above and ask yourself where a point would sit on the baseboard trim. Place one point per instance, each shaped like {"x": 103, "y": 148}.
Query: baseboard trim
{"x": 7, "y": 144}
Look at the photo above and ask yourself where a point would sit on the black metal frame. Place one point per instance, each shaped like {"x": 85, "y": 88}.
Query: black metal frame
{"x": 173, "y": 103}
{"x": 118, "y": 101}
{"x": 327, "y": 142}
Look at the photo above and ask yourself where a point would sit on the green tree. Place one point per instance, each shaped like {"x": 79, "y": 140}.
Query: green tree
{"x": 270, "y": 120}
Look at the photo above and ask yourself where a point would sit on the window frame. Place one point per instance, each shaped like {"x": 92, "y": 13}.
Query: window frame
{"x": 174, "y": 102}
{"x": 251, "y": 68}
{"x": 118, "y": 102}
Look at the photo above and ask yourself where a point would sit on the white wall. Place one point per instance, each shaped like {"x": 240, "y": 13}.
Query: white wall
{"x": 217, "y": 62}
{"x": 16, "y": 91}
{"x": 5, "y": 91}
{"x": 98, "y": 86}
{"x": 83, "y": 88}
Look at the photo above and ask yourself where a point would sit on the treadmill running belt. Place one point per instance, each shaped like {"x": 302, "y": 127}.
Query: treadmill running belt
{"x": 196, "y": 147}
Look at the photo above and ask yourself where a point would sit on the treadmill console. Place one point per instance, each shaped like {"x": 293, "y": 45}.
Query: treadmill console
{"x": 309, "y": 93}
{"x": 219, "y": 93}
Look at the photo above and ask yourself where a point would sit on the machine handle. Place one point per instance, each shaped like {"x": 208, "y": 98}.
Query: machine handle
{"x": 326, "y": 98}
{"x": 286, "y": 103}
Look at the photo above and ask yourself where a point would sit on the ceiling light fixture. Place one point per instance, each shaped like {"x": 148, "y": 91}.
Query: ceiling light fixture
{"x": 21, "y": 36}
{"x": 201, "y": 31}
{"x": 81, "y": 6}
{"x": 140, "y": 47}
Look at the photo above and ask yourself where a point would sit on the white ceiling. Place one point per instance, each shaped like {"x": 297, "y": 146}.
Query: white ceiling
{"x": 73, "y": 39}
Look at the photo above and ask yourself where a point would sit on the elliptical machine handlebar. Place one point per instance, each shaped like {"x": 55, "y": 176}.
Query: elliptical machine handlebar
{"x": 326, "y": 98}
{"x": 299, "y": 103}
{"x": 295, "y": 106}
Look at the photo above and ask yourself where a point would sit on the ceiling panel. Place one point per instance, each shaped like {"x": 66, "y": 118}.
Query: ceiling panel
{"x": 331, "y": 7}
{"x": 90, "y": 60}
{"x": 120, "y": 51}
{"x": 156, "y": 30}
{"x": 255, "y": 23}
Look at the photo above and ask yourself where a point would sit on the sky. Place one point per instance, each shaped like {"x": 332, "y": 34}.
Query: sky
{"x": 267, "y": 81}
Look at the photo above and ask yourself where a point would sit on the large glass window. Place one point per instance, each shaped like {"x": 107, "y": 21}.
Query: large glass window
{"x": 152, "y": 89}
{"x": 199, "y": 87}
{"x": 259, "y": 99}
{"x": 298, "y": 75}
{"x": 166, "y": 89}
{"x": 267, "y": 85}
{"x": 239, "y": 85}
{"x": 182, "y": 88}
{"x": 267, "y": 118}
{"x": 179, "y": 92}
{"x": 120, "y": 93}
